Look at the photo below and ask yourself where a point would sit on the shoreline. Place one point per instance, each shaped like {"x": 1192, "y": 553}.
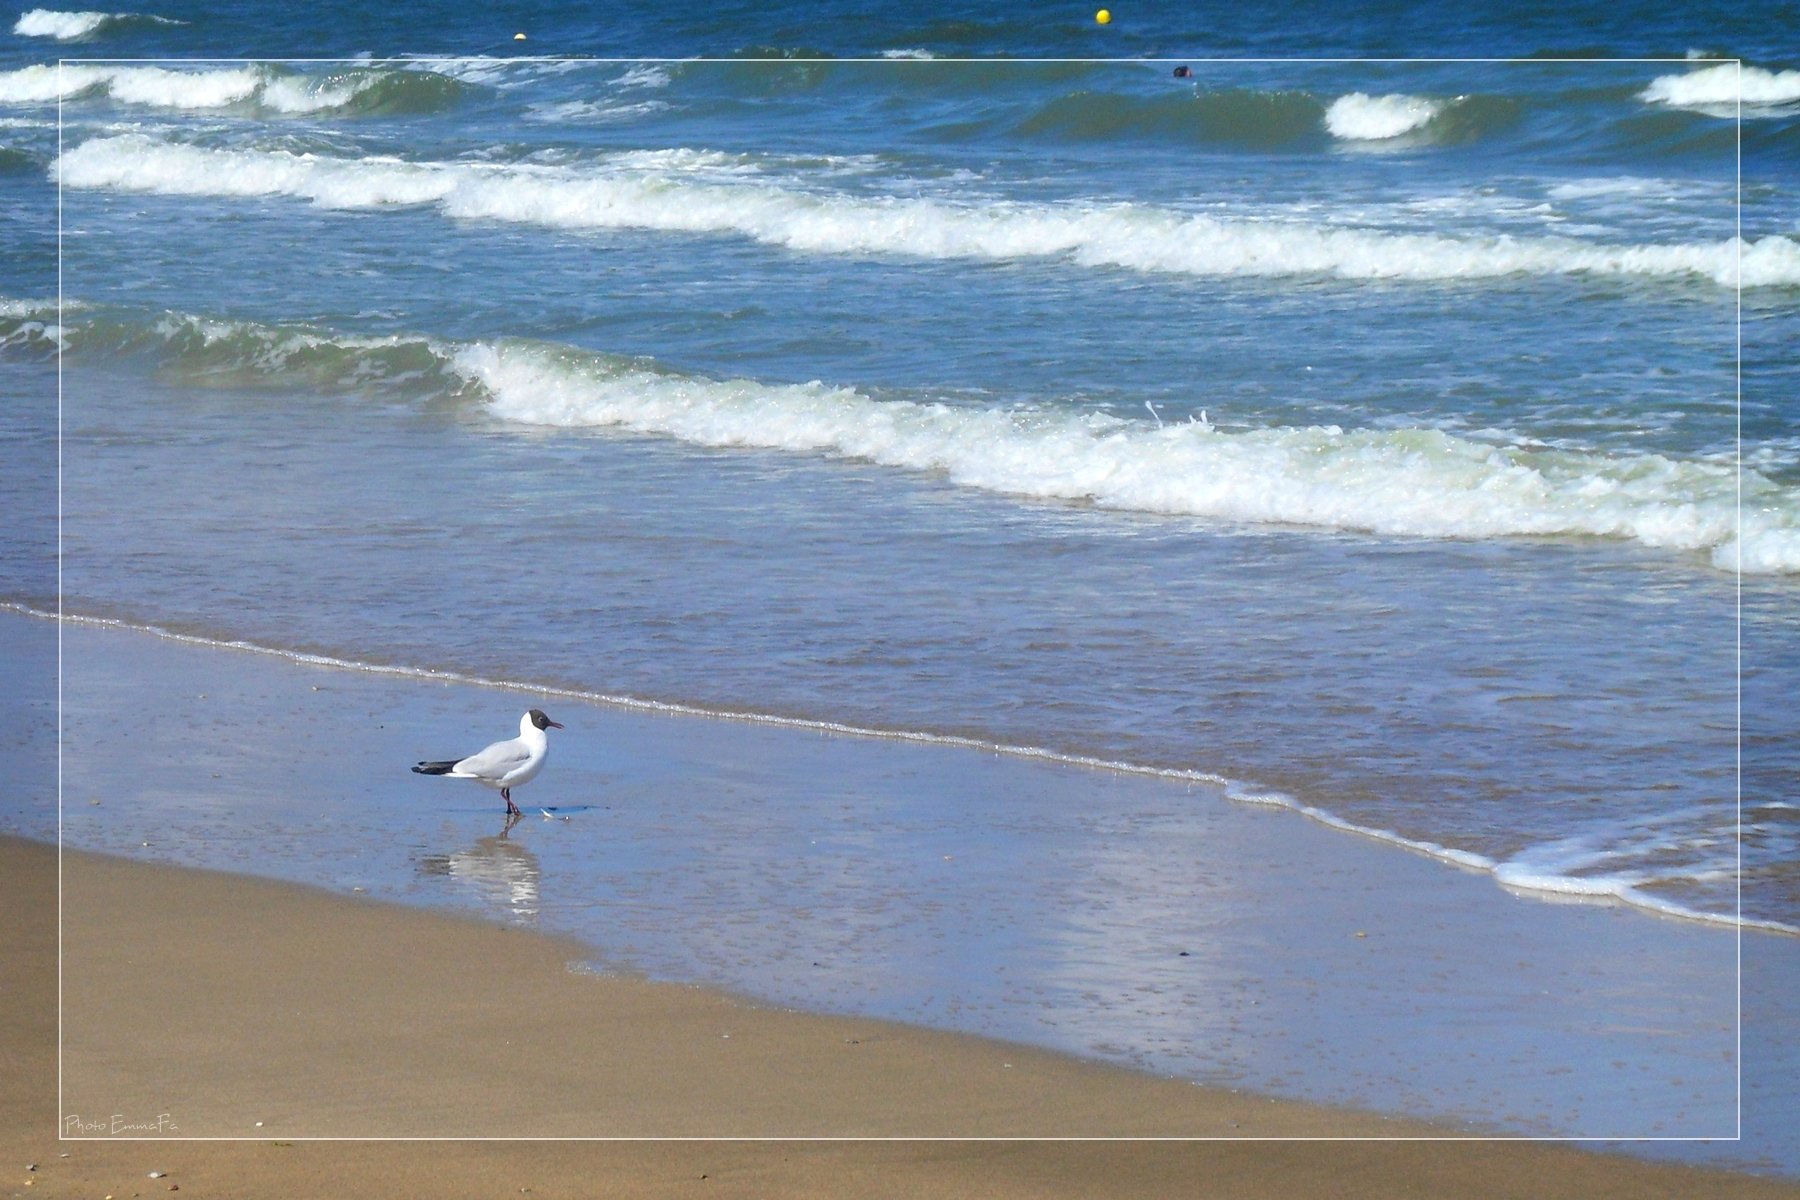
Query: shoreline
{"x": 1554, "y": 890}
{"x": 160, "y": 996}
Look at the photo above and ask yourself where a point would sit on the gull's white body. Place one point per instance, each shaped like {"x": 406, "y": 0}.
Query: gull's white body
{"x": 503, "y": 765}
{"x": 510, "y": 763}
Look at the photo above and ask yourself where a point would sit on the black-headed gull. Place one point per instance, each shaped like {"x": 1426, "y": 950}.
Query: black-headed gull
{"x": 504, "y": 765}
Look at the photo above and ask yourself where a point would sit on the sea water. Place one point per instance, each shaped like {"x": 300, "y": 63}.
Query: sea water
{"x": 1410, "y": 444}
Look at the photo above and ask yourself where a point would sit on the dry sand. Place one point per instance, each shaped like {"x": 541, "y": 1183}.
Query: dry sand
{"x": 210, "y": 1002}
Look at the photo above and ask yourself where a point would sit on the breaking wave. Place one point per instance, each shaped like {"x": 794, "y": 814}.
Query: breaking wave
{"x": 74, "y": 26}
{"x": 1361, "y": 117}
{"x": 1131, "y": 236}
{"x": 29, "y": 328}
{"x": 1410, "y": 482}
{"x": 1722, "y": 86}
{"x": 1417, "y": 482}
{"x": 260, "y": 88}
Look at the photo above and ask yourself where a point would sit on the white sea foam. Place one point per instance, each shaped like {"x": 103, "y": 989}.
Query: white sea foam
{"x": 42, "y": 84}
{"x": 1467, "y": 859}
{"x": 482, "y": 70}
{"x": 1630, "y": 186}
{"x": 682, "y": 160}
{"x": 1547, "y": 871}
{"x": 1721, "y": 87}
{"x": 131, "y": 162}
{"x": 65, "y": 26}
{"x": 592, "y": 112}
{"x": 496, "y": 72}
{"x": 646, "y": 75}
{"x": 27, "y": 333}
{"x": 1136, "y": 237}
{"x": 153, "y": 86}
{"x": 160, "y": 87}
{"x": 1410, "y": 482}
{"x": 914, "y": 55}
{"x": 1361, "y": 117}
{"x": 1628, "y": 862}
{"x": 275, "y": 347}
{"x": 33, "y": 322}
{"x": 71, "y": 26}
{"x": 16, "y": 309}
{"x": 297, "y": 94}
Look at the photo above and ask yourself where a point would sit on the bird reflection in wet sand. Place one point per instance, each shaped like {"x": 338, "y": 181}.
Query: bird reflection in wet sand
{"x": 500, "y": 871}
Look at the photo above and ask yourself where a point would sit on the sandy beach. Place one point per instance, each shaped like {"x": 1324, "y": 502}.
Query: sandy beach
{"x": 208, "y": 1003}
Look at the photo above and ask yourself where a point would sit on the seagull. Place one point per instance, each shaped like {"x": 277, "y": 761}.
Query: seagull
{"x": 504, "y": 765}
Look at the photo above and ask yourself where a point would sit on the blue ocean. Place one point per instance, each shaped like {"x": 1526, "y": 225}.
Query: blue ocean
{"x": 1391, "y": 417}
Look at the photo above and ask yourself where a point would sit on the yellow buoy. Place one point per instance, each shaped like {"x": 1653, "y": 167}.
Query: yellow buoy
{"x": 1103, "y": 17}
{"x": 518, "y": 37}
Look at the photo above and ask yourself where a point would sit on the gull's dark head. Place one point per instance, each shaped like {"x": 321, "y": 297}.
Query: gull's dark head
{"x": 541, "y": 721}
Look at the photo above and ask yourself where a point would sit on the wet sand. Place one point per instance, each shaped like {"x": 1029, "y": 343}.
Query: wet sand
{"x": 204, "y": 1003}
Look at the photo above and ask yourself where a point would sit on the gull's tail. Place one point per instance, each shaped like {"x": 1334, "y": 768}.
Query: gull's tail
{"x": 436, "y": 768}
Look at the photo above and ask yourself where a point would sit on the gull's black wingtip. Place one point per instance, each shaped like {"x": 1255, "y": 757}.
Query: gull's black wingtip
{"x": 434, "y": 768}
